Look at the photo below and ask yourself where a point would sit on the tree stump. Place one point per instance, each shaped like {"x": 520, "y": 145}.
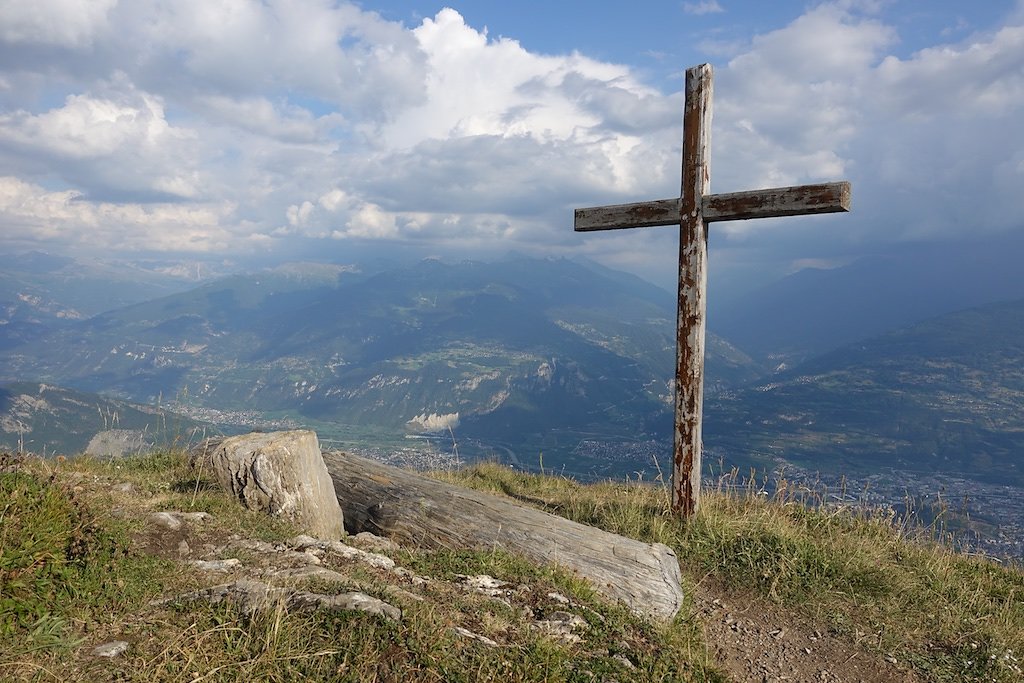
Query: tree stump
{"x": 281, "y": 473}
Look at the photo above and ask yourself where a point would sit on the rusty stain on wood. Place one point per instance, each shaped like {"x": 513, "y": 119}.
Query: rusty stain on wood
{"x": 693, "y": 282}
{"x": 692, "y": 211}
{"x": 734, "y": 206}
{"x": 778, "y": 202}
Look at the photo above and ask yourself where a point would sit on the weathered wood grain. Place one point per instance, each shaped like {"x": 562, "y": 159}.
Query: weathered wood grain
{"x": 734, "y": 206}
{"x": 618, "y": 216}
{"x": 800, "y": 200}
{"x": 693, "y": 290}
{"x": 418, "y": 511}
{"x": 693, "y": 210}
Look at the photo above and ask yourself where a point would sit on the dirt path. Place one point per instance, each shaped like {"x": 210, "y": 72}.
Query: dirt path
{"x": 757, "y": 642}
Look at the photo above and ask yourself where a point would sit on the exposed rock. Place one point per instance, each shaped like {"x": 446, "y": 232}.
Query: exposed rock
{"x": 173, "y": 520}
{"x": 217, "y": 565}
{"x": 345, "y": 601}
{"x": 373, "y": 542}
{"x": 558, "y": 597}
{"x": 488, "y": 585}
{"x": 308, "y": 544}
{"x": 307, "y": 572}
{"x": 466, "y": 633}
{"x": 251, "y": 596}
{"x": 282, "y": 473}
{"x": 562, "y": 626}
{"x": 114, "y": 648}
{"x": 165, "y": 519}
{"x": 247, "y": 594}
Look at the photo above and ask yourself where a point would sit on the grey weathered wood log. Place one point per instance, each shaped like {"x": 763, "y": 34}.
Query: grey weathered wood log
{"x": 422, "y": 512}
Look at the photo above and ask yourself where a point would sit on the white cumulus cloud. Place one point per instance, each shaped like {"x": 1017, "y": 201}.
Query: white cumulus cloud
{"x": 198, "y": 125}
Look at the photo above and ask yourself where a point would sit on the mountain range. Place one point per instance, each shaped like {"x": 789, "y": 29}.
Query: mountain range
{"x": 40, "y": 292}
{"x": 562, "y": 362}
{"x": 525, "y": 353}
{"x": 815, "y": 310}
{"x": 945, "y": 395}
{"x": 48, "y": 419}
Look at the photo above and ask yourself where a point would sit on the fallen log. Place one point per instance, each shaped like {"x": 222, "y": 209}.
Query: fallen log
{"x": 422, "y": 512}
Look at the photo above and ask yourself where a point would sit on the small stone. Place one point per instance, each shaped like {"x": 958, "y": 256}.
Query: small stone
{"x": 411, "y": 577}
{"x": 624, "y": 662}
{"x": 217, "y": 565}
{"x": 195, "y": 517}
{"x": 558, "y": 597}
{"x": 114, "y": 648}
{"x": 807, "y": 650}
{"x": 465, "y": 633}
{"x": 183, "y": 549}
{"x": 346, "y": 601}
{"x": 374, "y": 542}
{"x": 482, "y": 583}
{"x": 562, "y": 625}
{"x": 124, "y": 487}
{"x": 302, "y": 542}
{"x": 167, "y": 520}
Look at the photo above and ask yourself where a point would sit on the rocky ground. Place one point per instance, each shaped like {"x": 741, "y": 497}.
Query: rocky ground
{"x": 263, "y": 577}
{"x": 752, "y": 640}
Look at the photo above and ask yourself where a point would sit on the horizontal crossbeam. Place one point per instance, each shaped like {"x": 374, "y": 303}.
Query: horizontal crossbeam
{"x": 734, "y": 206}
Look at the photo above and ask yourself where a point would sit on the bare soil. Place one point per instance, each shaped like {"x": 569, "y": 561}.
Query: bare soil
{"x": 755, "y": 641}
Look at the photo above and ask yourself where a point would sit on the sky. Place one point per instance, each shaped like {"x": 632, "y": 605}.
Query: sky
{"x": 243, "y": 131}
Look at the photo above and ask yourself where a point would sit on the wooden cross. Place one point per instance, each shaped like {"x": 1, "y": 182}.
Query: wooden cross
{"x": 692, "y": 211}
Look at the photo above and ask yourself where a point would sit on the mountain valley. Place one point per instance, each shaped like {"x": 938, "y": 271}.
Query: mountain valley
{"x": 545, "y": 363}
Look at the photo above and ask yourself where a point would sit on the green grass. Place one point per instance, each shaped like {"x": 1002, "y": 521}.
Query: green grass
{"x": 870, "y": 578}
{"x": 60, "y": 563}
{"x": 73, "y": 574}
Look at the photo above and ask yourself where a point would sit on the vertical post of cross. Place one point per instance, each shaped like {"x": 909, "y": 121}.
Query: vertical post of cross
{"x": 693, "y": 285}
{"x": 692, "y": 211}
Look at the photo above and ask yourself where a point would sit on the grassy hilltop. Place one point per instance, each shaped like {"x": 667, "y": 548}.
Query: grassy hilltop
{"x": 819, "y": 594}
